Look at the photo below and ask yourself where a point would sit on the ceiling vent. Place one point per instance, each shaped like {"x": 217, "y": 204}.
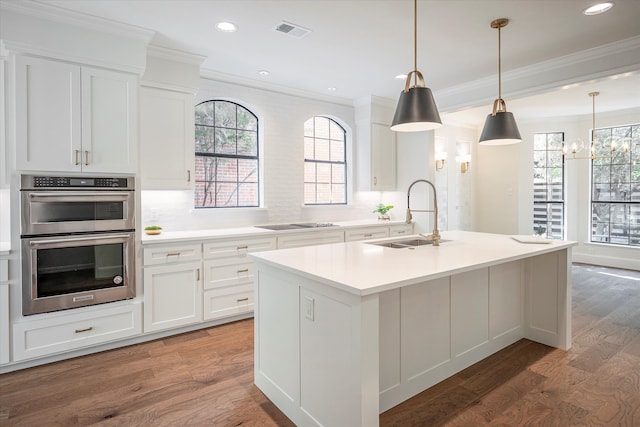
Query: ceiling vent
{"x": 292, "y": 30}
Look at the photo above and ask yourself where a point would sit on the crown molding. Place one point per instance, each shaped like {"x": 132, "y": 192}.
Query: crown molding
{"x": 39, "y": 9}
{"x": 175, "y": 55}
{"x": 619, "y": 57}
{"x": 272, "y": 87}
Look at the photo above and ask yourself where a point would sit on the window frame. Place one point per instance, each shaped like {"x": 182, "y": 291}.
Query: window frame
{"x": 235, "y": 156}
{"x": 604, "y": 153}
{"x": 550, "y": 203}
{"x": 343, "y": 162}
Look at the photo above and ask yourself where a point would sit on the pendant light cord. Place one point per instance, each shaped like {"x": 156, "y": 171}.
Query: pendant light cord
{"x": 415, "y": 40}
{"x": 499, "y": 66}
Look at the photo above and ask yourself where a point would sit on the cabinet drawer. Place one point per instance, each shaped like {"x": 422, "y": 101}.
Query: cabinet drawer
{"x": 309, "y": 239}
{"x": 234, "y": 248}
{"x": 366, "y": 233}
{"x": 154, "y": 255}
{"x": 228, "y": 301}
{"x": 49, "y": 335}
{"x": 216, "y": 276}
{"x": 401, "y": 230}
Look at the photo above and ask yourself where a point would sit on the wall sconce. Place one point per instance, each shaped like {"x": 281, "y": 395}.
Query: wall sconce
{"x": 441, "y": 156}
{"x": 464, "y": 161}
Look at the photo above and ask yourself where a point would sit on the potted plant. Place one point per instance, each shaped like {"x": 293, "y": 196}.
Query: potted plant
{"x": 382, "y": 210}
{"x": 153, "y": 229}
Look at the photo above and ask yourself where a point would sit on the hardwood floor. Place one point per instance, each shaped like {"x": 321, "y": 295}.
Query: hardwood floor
{"x": 205, "y": 378}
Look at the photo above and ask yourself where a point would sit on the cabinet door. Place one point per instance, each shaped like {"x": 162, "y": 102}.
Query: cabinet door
{"x": 166, "y": 139}
{"x": 109, "y": 121}
{"x": 383, "y": 158}
{"x": 4, "y": 318}
{"x": 48, "y": 123}
{"x": 172, "y": 296}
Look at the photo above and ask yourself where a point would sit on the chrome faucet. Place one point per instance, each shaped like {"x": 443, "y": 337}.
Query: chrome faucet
{"x": 435, "y": 237}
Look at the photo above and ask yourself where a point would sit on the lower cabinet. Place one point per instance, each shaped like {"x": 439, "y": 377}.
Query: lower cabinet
{"x": 172, "y": 296}
{"x": 228, "y": 301}
{"x": 66, "y": 331}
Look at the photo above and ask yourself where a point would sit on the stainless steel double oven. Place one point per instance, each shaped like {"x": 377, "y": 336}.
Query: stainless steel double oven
{"x": 78, "y": 238}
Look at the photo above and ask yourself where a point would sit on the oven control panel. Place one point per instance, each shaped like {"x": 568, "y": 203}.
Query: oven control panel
{"x": 40, "y": 182}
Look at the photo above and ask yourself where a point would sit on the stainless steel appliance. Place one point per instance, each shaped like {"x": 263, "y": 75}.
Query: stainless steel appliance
{"x": 78, "y": 241}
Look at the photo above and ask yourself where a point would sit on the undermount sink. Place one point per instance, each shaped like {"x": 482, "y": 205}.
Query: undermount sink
{"x": 406, "y": 243}
{"x": 297, "y": 226}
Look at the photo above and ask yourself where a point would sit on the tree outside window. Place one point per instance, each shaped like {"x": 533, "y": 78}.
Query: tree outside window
{"x": 325, "y": 167}
{"x": 615, "y": 186}
{"x": 226, "y": 149}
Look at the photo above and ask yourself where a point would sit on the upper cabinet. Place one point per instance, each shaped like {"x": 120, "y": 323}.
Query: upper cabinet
{"x": 376, "y": 145}
{"x": 167, "y": 119}
{"x": 166, "y": 139}
{"x": 72, "y": 118}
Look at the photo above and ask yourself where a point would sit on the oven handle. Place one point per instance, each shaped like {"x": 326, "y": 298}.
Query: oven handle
{"x": 76, "y": 196}
{"x": 42, "y": 243}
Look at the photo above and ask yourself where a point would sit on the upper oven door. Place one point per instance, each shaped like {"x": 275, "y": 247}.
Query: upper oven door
{"x": 53, "y": 212}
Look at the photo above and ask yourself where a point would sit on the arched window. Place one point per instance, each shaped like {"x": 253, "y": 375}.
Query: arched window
{"x": 325, "y": 166}
{"x": 226, "y": 149}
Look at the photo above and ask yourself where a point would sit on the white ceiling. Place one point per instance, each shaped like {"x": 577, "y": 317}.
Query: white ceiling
{"x": 358, "y": 46}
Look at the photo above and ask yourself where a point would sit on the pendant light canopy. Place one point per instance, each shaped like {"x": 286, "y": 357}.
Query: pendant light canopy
{"x": 416, "y": 110}
{"x": 500, "y": 127}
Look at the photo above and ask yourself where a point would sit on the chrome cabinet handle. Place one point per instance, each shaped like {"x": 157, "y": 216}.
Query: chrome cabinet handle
{"x": 368, "y": 235}
{"x": 242, "y": 247}
{"x": 86, "y": 158}
{"x": 188, "y": 176}
{"x": 243, "y": 299}
{"x": 198, "y": 274}
{"x": 244, "y": 270}
{"x": 77, "y": 160}
{"x": 173, "y": 254}
{"x": 375, "y": 180}
{"x": 90, "y": 328}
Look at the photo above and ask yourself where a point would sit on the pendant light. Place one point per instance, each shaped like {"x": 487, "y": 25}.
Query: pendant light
{"x": 592, "y": 148}
{"x": 416, "y": 110}
{"x": 500, "y": 127}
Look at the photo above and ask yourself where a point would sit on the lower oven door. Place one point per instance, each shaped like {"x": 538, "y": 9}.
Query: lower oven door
{"x": 64, "y": 272}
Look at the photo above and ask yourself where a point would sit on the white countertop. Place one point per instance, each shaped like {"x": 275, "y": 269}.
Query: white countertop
{"x": 362, "y": 268}
{"x": 177, "y": 236}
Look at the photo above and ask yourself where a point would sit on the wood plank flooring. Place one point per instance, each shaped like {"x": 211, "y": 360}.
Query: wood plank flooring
{"x": 205, "y": 378}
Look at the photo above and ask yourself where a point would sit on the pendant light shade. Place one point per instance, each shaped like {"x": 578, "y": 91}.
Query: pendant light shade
{"x": 416, "y": 110}
{"x": 500, "y": 128}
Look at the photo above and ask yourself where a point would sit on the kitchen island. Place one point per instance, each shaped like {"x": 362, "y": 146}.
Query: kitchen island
{"x": 346, "y": 331}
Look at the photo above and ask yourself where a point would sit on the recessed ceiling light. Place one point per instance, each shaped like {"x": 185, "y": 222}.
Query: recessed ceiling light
{"x": 227, "y": 27}
{"x": 401, "y": 76}
{"x": 599, "y": 8}
{"x": 263, "y": 72}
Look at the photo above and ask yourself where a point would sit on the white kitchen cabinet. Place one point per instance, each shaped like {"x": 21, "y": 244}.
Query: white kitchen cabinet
{"x": 228, "y": 275}
{"x": 72, "y": 118}
{"x": 166, "y": 139}
{"x": 366, "y": 233}
{"x": 73, "y": 329}
{"x": 376, "y": 145}
{"x": 383, "y": 158}
{"x": 172, "y": 286}
{"x": 295, "y": 240}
